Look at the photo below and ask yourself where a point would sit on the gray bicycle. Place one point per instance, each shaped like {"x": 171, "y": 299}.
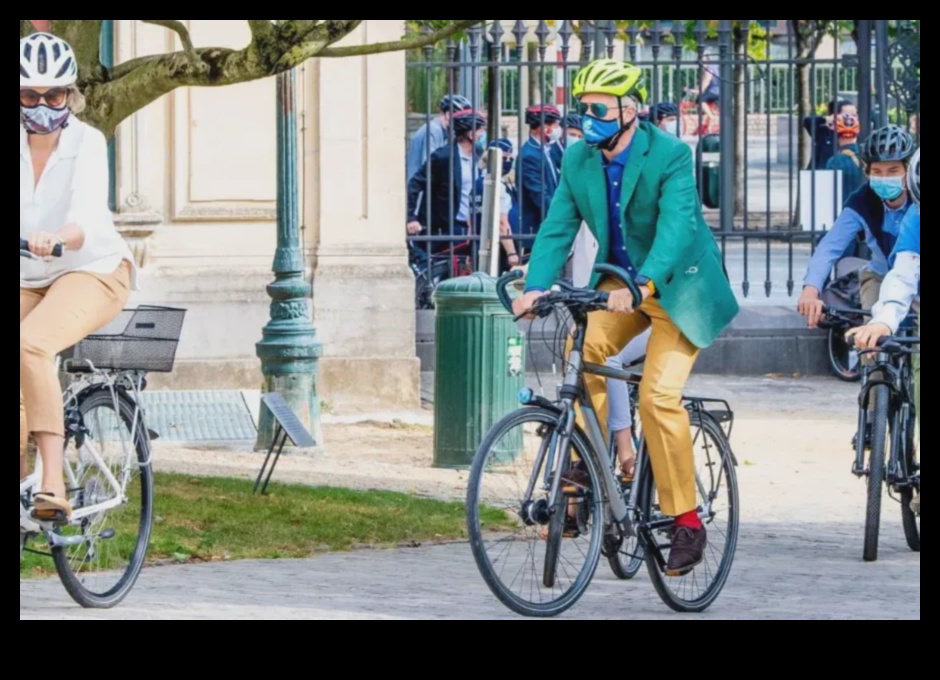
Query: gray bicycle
{"x": 538, "y": 540}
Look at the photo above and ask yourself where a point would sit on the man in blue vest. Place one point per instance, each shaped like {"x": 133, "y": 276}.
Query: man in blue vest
{"x": 900, "y": 292}
{"x": 874, "y": 212}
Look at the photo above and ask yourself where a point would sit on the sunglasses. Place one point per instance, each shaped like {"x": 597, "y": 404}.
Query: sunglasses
{"x": 56, "y": 98}
{"x": 596, "y": 110}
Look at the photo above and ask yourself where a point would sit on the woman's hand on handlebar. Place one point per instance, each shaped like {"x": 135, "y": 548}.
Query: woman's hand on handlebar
{"x": 522, "y": 305}
{"x": 43, "y": 243}
{"x": 867, "y": 337}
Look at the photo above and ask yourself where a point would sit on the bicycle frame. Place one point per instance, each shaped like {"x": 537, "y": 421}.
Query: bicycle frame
{"x": 899, "y": 381}
{"x": 128, "y": 380}
{"x": 574, "y": 389}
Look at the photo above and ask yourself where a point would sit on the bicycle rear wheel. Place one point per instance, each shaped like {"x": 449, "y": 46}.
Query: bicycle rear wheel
{"x": 876, "y": 470}
{"x": 510, "y": 516}
{"x": 99, "y": 557}
{"x": 912, "y": 467}
{"x": 717, "y": 490}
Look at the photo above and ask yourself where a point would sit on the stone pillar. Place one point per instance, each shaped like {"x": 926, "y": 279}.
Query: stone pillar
{"x": 355, "y": 205}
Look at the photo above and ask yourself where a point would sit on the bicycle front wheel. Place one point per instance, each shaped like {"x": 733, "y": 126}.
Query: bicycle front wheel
{"x": 535, "y": 562}
{"x": 99, "y": 556}
{"x": 843, "y": 357}
{"x": 717, "y": 492}
{"x": 876, "y": 471}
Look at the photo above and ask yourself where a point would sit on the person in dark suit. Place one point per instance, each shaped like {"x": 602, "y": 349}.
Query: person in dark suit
{"x": 442, "y": 192}
{"x": 537, "y": 172}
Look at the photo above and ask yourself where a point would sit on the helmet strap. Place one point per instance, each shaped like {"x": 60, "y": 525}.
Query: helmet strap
{"x": 624, "y": 127}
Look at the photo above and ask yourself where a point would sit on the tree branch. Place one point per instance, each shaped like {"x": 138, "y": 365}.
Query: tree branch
{"x": 397, "y": 45}
{"x": 316, "y": 40}
{"x": 260, "y": 29}
{"x": 177, "y": 27}
{"x": 85, "y": 38}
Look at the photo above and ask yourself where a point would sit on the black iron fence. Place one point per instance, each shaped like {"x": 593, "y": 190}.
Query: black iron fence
{"x": 760, "y": 148}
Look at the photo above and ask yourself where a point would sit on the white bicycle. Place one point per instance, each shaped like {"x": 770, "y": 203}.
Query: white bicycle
{"x": 99, "y": 554}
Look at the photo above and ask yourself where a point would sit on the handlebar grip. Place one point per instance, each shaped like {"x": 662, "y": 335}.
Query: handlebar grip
{"x": 502, "y": 282}
{"x": 618, "y": 273}
{"x": 56, "y": 250}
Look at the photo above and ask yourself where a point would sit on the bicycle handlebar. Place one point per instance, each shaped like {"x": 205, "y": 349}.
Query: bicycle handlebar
{"x": 563, "y": 293}
{"x": 25, "y": 251}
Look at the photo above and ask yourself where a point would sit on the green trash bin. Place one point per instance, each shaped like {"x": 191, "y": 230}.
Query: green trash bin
{"x": 480, "y": 368}
{"x": 707, "y": 170}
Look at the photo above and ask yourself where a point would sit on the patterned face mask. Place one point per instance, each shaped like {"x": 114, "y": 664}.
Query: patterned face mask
{"x": 42, "y": 119}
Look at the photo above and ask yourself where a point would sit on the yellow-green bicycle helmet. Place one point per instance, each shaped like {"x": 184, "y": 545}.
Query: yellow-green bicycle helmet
{"x": 609, "y": 76}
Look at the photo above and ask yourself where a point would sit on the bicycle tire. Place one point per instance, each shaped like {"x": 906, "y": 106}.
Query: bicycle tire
{"x": 70, "y": 579}
{"x": 876, "y": 471}
{"x": 625, "y": 566}
{"x": 647, "y": 487}
{"x": 556, "y": 529}
{"x": 839, "y": 367}
{"x": 579, "y": 443}
{"x": 909, "y": 519}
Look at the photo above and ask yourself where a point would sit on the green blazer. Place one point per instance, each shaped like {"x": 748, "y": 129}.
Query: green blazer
{"x": 665, "y": 232}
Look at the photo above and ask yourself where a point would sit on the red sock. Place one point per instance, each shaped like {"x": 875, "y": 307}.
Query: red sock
{"x": 690, "y": 520}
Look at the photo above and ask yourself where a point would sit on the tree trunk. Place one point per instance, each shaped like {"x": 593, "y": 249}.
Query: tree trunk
{"x": 740, "y": 123}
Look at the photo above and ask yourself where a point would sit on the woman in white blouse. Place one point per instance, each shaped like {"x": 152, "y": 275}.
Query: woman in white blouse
{"x": 64, "y": 183}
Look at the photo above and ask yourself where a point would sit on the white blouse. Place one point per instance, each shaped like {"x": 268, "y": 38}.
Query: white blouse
{"x": 73, "y": 188}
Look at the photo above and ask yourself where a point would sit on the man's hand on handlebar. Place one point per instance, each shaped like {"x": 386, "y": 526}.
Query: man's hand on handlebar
{"x": 867, "y": 337}
{"x": 522, "y": 305}
{"x": 621, "y": 300}
{"x": 810, "y": 306}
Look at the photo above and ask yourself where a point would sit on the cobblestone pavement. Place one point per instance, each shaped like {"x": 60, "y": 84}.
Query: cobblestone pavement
{"x": 799, "y": 555}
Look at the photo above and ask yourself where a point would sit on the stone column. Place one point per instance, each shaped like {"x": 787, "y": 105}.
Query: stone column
{"x": 355, "y": 205}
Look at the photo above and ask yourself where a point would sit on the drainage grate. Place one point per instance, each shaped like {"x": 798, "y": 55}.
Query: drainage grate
{"x": 199, "y": 416}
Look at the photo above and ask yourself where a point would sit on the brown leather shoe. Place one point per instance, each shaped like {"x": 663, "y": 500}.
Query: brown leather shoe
{"x": 687, "y": 552}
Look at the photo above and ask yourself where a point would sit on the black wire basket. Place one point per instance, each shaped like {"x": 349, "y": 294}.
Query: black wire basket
{"x": 142, "y": 339}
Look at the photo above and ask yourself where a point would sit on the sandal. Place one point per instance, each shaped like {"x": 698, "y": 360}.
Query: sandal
{"x": 47, "y": 507}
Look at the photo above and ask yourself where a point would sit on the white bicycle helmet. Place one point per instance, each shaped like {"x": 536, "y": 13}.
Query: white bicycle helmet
{"x": 46, "y": 61}
{"x": 913, "y": 177}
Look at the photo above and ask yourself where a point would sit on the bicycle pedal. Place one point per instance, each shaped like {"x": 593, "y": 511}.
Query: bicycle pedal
{"x": 678, "y": 573}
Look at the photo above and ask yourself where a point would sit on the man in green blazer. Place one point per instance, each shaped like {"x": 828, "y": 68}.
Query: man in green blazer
{"x": 634, "y": 186}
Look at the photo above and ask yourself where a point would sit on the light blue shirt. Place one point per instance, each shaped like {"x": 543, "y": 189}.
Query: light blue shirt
{"x": 845, "y": 230}
{"x": 418, "y": 152}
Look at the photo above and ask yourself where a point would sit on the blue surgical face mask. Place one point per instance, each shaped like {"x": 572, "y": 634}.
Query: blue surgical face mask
{"x": 598, "y": 132}
{"x": 42, "y": 120}
{"x": 572, "y": 139}
{"x": 480, "y": 144}
{"x": 887, "y": 188}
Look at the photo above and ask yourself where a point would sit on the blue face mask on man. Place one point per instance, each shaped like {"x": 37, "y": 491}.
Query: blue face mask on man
{"x": 887, "y": 188}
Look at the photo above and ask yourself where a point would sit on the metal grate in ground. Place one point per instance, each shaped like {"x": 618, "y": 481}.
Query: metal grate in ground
{"x": 203, "y": 416}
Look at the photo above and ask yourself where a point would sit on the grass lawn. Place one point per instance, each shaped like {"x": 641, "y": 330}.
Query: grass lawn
{"x": 212, "y": 519}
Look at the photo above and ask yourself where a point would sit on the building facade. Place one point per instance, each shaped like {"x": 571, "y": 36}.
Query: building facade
{"x": 196, "y": 196}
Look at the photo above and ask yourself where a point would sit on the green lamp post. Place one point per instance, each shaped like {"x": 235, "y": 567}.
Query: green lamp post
{"x": 289, "y": 350}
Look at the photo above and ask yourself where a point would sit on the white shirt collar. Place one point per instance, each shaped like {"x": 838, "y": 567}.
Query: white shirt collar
{"x": 69, "y": 141}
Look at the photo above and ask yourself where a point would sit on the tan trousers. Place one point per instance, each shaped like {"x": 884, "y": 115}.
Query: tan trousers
{"x": 670, "y": 358}
{"x": 51, "y": 320}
